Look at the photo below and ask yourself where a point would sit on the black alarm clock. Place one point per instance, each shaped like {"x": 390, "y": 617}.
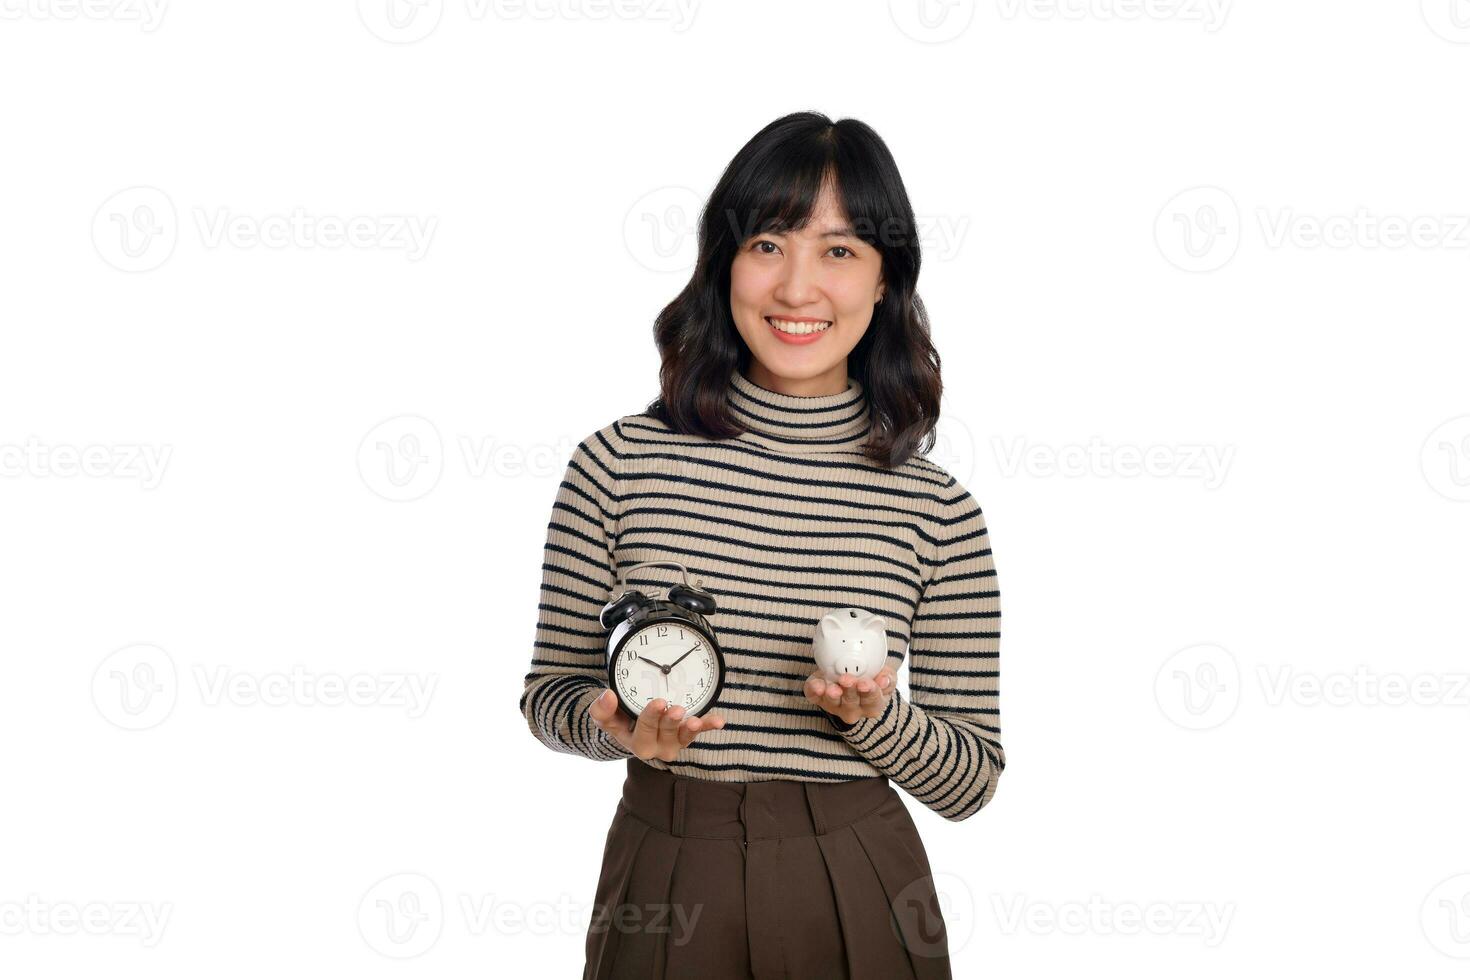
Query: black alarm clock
{"x": 663, "y": 648}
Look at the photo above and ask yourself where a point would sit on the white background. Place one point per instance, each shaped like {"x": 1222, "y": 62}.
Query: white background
{"x": 1229, "y": 239}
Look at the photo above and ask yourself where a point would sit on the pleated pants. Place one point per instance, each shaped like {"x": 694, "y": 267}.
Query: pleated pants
{"x": 763, "y": 880}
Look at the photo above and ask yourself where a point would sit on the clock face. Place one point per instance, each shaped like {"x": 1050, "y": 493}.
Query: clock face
{"x": 691, "y": 677}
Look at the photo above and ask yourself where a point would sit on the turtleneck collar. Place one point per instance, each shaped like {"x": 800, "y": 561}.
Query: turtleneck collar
{"x": 801, "y": 423}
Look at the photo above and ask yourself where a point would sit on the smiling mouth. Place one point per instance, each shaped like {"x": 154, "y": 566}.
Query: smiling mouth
{"x": 797, "y": 327}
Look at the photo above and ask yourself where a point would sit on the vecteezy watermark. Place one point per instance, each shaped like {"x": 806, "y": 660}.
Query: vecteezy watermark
{"x": 148, "y": 14}
{"x": 1445, "y": 916}
{"x": 1097, "y": 916}
{"x": 34, "y": 916}
{"x": 1450, "y": 19}
{"x": 126, "y": 461}
{"x": 674, "y": 919}
{"x": 1209, "y": 13}
{"x": 298, "y": 687}
{"x": 402, "y": 458}
{"x": 401, "y": 916}
{"x": 404, "y": 915}
{"x": 661, "y": 229}
{"x": 1198, "y": 687}
{"x": 1364, "y": 229}
{"x": 137, "y": 687}
{"x": 1445, "y": 458}
{"x": 407, "y": 21}
{"x": 1198, "y": 230}
{"x": 934, "y": 915}
{"x": 1206, "y": 463}
{"x": 137, "y": 230}
{"x": 1201, "y": 686}
{"x": 954, "y": 448}
{"x": 1361, "y": 686}
{"x": 932, "y": 21}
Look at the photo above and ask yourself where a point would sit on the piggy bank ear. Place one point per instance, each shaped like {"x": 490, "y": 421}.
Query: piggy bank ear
{"x": 876, "y": 623}
{"x": 830, "y": 626}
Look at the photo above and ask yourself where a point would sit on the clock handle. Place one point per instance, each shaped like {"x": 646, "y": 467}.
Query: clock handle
{"x": 690, "y": 597}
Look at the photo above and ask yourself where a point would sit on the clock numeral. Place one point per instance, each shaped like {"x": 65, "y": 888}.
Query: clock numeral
{"x": 689, "y": 699}
{"x": 643, "y": 639}
{"x": 662, "y": 630}
{"x": 633, "y": 692}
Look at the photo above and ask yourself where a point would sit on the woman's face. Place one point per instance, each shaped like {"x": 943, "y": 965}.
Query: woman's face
{"x": 824, "y": 278}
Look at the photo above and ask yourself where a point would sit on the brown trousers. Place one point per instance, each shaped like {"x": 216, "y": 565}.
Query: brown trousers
{"x": 760, "y": 880}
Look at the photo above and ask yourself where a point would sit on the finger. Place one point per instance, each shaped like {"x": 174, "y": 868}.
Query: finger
{"x": 645, "y": 733}
{"x": 691, "y": 727}
{"x": 850, "y": 696}
{"x": 668, "y": 725}
{"x": 604, "y": 711}
{"x": 815, "y": 687}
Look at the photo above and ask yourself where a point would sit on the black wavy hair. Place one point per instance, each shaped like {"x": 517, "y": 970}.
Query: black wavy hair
{"x": 772, "y": 185}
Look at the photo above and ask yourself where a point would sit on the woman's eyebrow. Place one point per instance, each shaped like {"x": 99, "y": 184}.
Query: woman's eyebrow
{"x": 843, "y": 231}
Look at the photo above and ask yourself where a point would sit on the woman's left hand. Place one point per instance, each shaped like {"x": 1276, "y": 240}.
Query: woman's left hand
{"x": 849, "y": 699}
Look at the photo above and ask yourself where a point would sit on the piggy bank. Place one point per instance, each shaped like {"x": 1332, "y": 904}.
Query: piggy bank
{"x": 850, "y": 641}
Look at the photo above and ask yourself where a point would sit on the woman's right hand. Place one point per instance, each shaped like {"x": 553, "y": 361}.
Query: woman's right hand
{"x": 660, "y": 731}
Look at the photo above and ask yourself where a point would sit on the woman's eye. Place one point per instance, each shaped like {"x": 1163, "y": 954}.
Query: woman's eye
{"x": 844, "y": 248}
{"x": 758, "y": 244}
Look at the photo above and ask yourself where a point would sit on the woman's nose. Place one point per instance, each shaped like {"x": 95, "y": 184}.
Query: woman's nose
{"x": 798, "y": 284}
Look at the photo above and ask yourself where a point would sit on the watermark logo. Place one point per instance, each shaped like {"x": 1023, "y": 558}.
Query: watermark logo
{"x": 136, "y": 229}
{"x": 147, "y": 14}
{"x": 1450, "y": 19}
{"x": 401, "y": 458}
{"x": 661, "y": 229}
{"x": 129, "y": 461}
{"x": 1206, "y": 921}
{"x": 1210, "y": 14}
{"x": 401, "y": 916}
{"x": 407, "y": 21}
{"x": 932, "y": 21}
{"x": 1206, "y": 463}
{"x": 34, "y": 916}
{"x": 1201, "y": 686}
{"x": 1445, "y": 459}
{"x": 1445, "y": 916}
{"x": 1198, "y": 230}
{"x": 1198, "y": 687}
{"x": 136, "y": 687}
{"x": 954, "y": 448}
{"x": 1362, "y": 686}
{"x": 934, "y": 915}
{"x": 400, "y": 21}
{"x": 1362, "y": 229}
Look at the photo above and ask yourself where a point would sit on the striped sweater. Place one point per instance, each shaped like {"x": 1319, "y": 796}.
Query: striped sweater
{"x": 782, "y": 523}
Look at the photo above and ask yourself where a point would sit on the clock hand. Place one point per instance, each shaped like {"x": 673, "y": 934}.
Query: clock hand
{"x": 686, "y": 653}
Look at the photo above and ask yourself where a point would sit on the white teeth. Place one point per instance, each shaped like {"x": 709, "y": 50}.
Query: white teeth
{"x": 787, "y": 326}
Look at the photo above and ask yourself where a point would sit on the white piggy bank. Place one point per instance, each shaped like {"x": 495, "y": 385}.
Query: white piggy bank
{"x": 850, "y": 641}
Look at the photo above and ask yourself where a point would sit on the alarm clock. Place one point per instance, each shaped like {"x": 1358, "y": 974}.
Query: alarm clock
{"x": 663, "y": 648}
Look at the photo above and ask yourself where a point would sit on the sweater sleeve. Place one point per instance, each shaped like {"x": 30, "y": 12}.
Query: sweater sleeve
{"x": 569, "y": 656}
{"x": 942, "y": 743}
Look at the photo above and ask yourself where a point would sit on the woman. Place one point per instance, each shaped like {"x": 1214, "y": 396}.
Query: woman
{"x": 781, "y": 465}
